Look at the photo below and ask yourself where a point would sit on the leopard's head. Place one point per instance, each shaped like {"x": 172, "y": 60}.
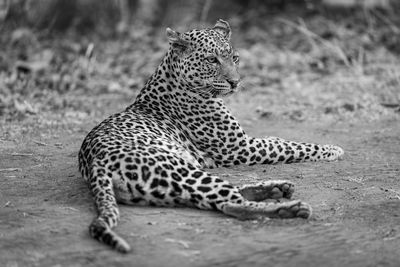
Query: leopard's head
{"x": 205, "y": 59}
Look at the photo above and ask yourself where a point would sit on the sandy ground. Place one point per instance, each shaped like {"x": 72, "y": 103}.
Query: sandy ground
{"x": 45, "y": 206}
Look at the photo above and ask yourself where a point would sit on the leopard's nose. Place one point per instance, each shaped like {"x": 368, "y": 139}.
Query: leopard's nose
{"x": 233, "y": 83}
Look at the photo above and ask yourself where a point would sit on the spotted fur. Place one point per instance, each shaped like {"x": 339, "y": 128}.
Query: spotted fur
{"x": 155, "y": 151}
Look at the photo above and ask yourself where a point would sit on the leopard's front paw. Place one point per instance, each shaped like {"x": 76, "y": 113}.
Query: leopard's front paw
{"x": 332, "y": 153}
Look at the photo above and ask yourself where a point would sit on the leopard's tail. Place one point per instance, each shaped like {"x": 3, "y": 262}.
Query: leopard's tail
{"x": 108, "y": 214}
{"x": 101, "y": 231}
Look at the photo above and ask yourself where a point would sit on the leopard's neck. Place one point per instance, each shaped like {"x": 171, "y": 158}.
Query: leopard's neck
{"x": 168, "y": 98}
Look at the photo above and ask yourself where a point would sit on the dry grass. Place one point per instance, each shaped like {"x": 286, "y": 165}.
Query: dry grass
{"x": 314, "y": 68}
{"x": 343, "y": 77}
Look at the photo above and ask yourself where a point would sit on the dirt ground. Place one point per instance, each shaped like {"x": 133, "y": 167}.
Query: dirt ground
{"x": 45, "y": 206}
{"x": 321, "y": 79}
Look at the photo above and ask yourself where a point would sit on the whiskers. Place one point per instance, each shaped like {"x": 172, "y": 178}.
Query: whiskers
{"x": 215, "y": 92}
{"x": 209, "y": 90}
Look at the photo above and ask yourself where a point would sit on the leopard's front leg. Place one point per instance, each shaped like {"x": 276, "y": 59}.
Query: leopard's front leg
{"x": 272, "y": 150}
{"x": 289, "y": 151}
{"x": 223, "y": 140}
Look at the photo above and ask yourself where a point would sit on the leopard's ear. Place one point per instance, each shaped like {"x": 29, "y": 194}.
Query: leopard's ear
{"x": 223, "y": 28}
{"x": 177, "y": 41}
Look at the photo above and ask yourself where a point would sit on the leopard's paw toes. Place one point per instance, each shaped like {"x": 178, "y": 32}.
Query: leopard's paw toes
{"x": 304, "y": 211}
{"x": 282, "y": 189}
{"x": 333, "y": 153}
{"x": 295, "y": 209}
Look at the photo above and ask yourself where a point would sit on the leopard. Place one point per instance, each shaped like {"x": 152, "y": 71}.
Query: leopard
{"x": 160, "y": 149}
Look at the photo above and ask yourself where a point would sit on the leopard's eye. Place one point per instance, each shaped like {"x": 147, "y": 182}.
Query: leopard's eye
{"x": 212, "y": 59}
{"x": 235, "y": 58}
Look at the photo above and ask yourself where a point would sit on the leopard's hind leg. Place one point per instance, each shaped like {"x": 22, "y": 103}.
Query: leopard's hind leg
{"x": 211, "y": 192}
{"x": 252, "y": 208}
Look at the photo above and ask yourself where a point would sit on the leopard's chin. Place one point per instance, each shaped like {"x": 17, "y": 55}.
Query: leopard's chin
{"x": 224, "y": 93}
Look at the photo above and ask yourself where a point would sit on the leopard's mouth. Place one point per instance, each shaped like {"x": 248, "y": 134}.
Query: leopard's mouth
{"x": 216, "y": 88}
{"x": 223, "y": 88}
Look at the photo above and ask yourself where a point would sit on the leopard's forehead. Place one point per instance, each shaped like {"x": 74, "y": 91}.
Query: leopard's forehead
{"x": 210, "y": 41}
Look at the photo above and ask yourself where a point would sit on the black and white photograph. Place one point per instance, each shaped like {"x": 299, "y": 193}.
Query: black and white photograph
{"x": 174, "y": 133}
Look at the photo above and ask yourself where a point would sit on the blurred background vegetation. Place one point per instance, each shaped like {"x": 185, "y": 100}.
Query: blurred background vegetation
{"x": 302, "y": 58}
